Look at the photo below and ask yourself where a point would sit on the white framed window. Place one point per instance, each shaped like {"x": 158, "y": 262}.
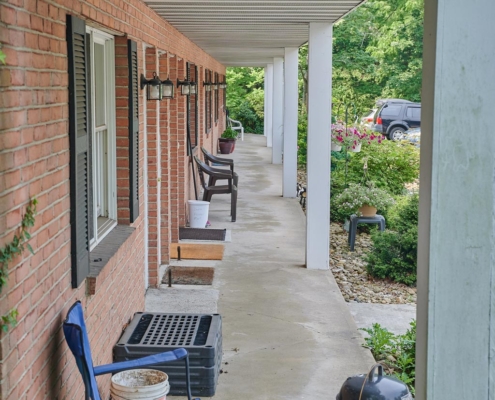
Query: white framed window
{"x": 103, "y": 185}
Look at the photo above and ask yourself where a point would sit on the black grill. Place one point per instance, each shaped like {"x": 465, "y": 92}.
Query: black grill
{"x": 171, "y": 330}
{"x": 200, "y": 335}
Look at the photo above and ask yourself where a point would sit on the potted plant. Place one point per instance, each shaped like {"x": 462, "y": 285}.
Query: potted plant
{"x": 363, "y": 199}
{"x": 226, "y": 142}
{"x": 337, "y": 136}
{"x": 352, "y": 137}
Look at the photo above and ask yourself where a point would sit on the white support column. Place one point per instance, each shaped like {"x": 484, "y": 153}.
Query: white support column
{"x": 269, "y": 105}
{"x": 318, "y": 144}
{"x": 264, "y": 99}
{"x": 290, "y": 122}
{"x": 456, "y": 238}
{"x": 278, "y": 109}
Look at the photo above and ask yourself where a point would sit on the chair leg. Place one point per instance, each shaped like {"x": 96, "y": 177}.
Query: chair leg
{"x": 188, "y": 379}
{"x": 233, "y": 203}
{"x": 352, "y": 233}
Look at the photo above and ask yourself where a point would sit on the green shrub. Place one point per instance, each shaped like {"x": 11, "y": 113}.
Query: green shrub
{"x": 394, "y": 252}
{"x": 397, "y": 352}
{"x": 302, "y": 135}
{"x": 246, "y": 115}
{"x": 390, "y": 166}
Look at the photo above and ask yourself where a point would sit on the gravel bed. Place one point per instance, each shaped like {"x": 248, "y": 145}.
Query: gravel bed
{"x": 349, "y": 269}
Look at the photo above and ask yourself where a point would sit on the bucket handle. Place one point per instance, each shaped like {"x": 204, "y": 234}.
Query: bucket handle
{"x": 370, "y": 375}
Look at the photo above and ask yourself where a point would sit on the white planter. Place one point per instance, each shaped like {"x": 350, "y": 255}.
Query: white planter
{"x": 357, "y": 149}
{"x": 336, "y": 147}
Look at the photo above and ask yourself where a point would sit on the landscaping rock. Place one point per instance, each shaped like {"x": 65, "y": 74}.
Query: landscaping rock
{"x": 349, "y": 269}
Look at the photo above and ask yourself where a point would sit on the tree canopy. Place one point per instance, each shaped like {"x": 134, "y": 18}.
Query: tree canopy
{"x": 377, "y": 53}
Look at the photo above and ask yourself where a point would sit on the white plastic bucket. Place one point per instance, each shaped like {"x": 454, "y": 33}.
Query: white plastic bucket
{"x": 198, "y": 213}
{"x": 140, "y": 384}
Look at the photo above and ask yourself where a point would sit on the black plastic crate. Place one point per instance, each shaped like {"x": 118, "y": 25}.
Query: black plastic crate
{"x": 199, "y": 334}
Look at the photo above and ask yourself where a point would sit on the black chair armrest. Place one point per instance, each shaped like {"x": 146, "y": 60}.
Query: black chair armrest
{"x": 218, "y": 160}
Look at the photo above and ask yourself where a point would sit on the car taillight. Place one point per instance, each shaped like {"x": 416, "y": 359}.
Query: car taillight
{"x": 369, "y": 119}
{"x": 379, "y": 120}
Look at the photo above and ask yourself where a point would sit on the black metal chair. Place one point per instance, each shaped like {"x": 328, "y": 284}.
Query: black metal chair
{"x": 211, "y": 188}
{"x": 210, "y": 159}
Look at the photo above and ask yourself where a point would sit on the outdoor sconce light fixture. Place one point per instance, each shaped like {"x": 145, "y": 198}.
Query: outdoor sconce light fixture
{"x": 193, "y": 88}
{"x": 153, "y": 87}
{"x": 214, "y": 85}
{"x": 223, "y": 85}
{"x": 167, "y": 89}
{"x": 185, "y": 87}
{"x": 207, "y": 86}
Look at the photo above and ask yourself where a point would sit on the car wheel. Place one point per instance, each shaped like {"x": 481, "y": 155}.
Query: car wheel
{"x": 397, "y": 133}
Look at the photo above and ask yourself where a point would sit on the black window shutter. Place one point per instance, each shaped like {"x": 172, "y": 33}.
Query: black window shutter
{"x": 79, "y": 148}
{"x": 133, "y": 130}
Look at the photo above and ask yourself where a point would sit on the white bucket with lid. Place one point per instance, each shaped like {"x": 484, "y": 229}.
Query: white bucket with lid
{"x": 140, "y": 384}
{"x": 198, "y": 213}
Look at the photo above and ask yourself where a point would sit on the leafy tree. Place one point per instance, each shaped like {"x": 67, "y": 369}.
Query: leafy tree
{"x": 397, "y": 46}
{"x": 245, "y": 97}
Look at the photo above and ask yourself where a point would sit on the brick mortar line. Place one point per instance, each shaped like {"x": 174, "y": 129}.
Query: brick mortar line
{"x": 39, "y": 282}
{"x": 30, "y": 68}
{"x": 36, "y": 107}
{"x": 50, "y": 122}
{"x": 25, "y": 88}
{"x": 48, "y": 343}
{"x": 38, "y": 211}
{"x": 29, "y": 163}
{"x": 24, "y": 259}
{"x": 35, "y": 32}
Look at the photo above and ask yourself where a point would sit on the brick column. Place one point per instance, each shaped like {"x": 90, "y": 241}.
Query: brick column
{"x": 173, "y": 151}
{"x": 122, "y": 131}
{"x": 165, "y": 225}
{"x": 153, "y": 160}
{"x": 182, "y": 158}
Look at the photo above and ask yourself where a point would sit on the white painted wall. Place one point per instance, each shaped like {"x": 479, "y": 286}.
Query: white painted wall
{"x": 269, "y": 105}
{"x": 278, "y": 110}
{"x": 289, "y": 187}
{"x": 456, "y": 254}
{"x": 318, "y": 144}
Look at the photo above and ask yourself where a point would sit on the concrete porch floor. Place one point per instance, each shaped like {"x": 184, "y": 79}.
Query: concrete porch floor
{"x": 287, "y": 331}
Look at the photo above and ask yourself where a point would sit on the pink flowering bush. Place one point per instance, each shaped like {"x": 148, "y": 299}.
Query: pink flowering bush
{"x": 353, "y": 136}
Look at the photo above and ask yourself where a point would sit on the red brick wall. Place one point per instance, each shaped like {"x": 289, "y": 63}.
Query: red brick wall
{"x": 34, "y": 162}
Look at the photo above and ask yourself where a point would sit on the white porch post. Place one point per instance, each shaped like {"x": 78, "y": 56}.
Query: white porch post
{"x": 269, "y": 105}
{"x": 278, "y": 109}
{"x": 456, "y": 248}
{"x": 290, "y": 122}
{"x": 318, "y": 144}
{"x": 264, "y": 100}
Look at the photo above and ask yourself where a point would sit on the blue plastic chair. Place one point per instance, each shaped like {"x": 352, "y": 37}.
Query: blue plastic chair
{"x": 77, "y": 338}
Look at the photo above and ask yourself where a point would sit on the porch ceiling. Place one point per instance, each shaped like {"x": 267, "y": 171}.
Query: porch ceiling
{"x": 248, "y": 32}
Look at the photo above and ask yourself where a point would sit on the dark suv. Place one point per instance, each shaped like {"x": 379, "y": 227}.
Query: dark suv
{"x": 397, "y": 116}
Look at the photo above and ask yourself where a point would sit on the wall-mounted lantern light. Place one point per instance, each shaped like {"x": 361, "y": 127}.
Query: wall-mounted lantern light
{"x": 168, "y": 89}
{"x": 193, "y": 88}
{"x": 153, "y": 87}
{"x": 207, "y": 86}
{"x": 185, "y": 87}
{"x": 214, "y": 85}
{"x": 223, "y": 85}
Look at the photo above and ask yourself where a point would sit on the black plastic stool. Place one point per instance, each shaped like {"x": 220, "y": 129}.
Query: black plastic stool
{"x": 355, "y": 220}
